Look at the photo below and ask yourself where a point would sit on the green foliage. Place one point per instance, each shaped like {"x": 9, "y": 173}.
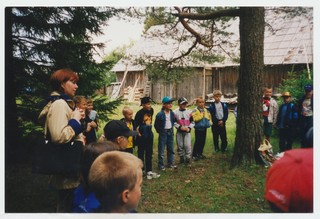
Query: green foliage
{"x": 162, "y": 71}
{"x": 201, "y": 55}
{"x": 157, "y": 16}
{"x": 41, "y": 40}
{"x": 295, "y": 83}
{"x": 113, "y": 57}
{"x": 105, "y": 107}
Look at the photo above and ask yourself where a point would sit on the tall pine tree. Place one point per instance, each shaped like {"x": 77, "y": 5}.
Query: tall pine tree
{"x": 40, "y": 40}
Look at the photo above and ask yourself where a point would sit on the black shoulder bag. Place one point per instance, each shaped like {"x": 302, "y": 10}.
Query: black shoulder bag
{"x": 51, "y": 158}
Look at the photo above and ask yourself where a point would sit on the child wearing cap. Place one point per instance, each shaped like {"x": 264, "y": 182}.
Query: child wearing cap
{"x": 143, "y": 120}
{"x": 270, "y": 112}
{"x": 164, "y": 126}
{"x": 116, "y": 179}
{"x": 286, "y": 121}
{"x": 202, "y": 119}
{"x": 219, "y": 114}
{"x": 305, "y": 112}
{"x": 117, "y": 132}
{"x": 183, "y": 123}
{"x": 127, "y": 112}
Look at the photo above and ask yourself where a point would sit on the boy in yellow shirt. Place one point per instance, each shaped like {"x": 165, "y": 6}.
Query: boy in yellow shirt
{"x": 127, "y": 112}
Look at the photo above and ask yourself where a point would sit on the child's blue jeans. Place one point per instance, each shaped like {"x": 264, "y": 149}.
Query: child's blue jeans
{"x": 165, "y": 138}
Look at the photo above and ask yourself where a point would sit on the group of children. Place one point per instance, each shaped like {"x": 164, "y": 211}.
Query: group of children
{"x": 184, "y": 120}
{"x": 111, "y": 182}
{"x": 287, "y": 117}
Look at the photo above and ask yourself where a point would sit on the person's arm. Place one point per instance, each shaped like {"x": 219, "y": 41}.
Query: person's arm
{"x": 62, "y": 123}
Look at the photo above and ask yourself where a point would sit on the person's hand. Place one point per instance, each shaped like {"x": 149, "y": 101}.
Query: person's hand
{"x": 220, "y": 123}
{"x": 93, "y": 124}
{"x": 184, "y": 128}
{"x": 89, "y": 127}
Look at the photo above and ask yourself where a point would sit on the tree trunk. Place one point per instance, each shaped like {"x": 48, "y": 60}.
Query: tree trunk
{"x": 249, "y": 123}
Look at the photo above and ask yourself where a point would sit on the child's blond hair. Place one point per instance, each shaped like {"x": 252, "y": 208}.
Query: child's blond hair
{"x": 217, "y": 92}
{"x": 112, "y": 173}
{"x": 78, "y": 99}
{"x": 198, "y": 99}
{"x": 126, "y": 110}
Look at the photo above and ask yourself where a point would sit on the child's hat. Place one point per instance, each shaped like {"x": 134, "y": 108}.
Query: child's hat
{"x": 145, "y": 100}
{"x": 117, "y": 128}
{"x": 182, "y": 100}
{"x": 308, "y": 87}
{"x": 289, "y": 182}
{"x": 167, "y": 99}
{"x": 286, "y": 94}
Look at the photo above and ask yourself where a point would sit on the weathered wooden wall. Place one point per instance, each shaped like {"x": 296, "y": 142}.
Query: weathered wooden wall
{"x": 224, "y": 79}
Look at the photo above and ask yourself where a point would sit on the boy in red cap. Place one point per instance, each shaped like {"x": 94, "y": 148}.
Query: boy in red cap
{"x": 289, "y": 182}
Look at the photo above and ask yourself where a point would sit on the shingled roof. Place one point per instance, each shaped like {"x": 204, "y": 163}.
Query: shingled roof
{"x": 288, "y": 40}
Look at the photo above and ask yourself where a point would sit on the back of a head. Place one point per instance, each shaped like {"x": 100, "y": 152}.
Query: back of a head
{"x": 91, "y": 152}
{"x": 110, "y": 174}
{"x": 289, "y": 182}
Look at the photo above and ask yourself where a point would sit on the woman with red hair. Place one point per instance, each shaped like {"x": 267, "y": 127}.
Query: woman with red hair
{"x": 62, "y": 124}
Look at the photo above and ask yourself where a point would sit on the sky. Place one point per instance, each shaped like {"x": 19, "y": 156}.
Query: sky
{"x": 118, "y": 32}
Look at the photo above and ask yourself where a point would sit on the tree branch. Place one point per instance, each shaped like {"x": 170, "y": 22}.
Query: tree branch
{"x": 208, "y": 16}
{"x": 191, "y": 30}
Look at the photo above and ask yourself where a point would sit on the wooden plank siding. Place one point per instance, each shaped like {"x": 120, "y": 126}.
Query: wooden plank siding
{"x": 224, "y": 79}
{"x": 131, "y": 79}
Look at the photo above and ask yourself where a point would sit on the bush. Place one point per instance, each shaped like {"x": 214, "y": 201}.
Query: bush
{"x": 295, "y": 83}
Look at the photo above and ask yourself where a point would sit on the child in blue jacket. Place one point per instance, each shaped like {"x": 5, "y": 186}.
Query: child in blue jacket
{"x": 286, "y": 121}
{"x": 164, "y": 126}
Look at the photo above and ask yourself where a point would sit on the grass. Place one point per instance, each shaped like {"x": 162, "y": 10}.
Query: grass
{"x": 208, "y": 186}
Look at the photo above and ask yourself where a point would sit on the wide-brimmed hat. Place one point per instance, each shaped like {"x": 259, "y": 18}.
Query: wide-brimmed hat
{"x": 117, "y": 128}
{"x": 289, "y": 182}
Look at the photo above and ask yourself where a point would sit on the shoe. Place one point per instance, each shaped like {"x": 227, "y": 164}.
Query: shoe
{"x": 196, "y": 158}
{"x": 217, "y": 150}
{"x": 188, "y": 163}
{"x": 202, "y": 157}
{"x": 162, "y": 168}
{"x": 172, "y": 166}
{"x": 224, "y": 151}
{"x": 181, "y": 160}
{"x": 152, "y": 175}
